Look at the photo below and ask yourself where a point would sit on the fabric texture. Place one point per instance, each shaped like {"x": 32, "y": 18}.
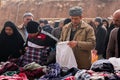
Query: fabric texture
{"x": 32, "y": 74}
{"x": 9, "y": 67}
{"x": 33, "y": 66}
{"x": 115, "y": 62}
{"x": 20, "y": 76}
{"x": 10, "y": 73}
{"x": 53, "y": 72}
{"x": 112, "y": 48}
{"x": 82, "y": 75}
{"x": 43, "y": 39}
{"x": 118, "y": 39}
{"x": 57, "y": 32}
{"x": 47, "y": 28}
{"x": 102, "y": 65}
{"x": 38, "y": 55}
{"x": 22, "y": 30}
{"x": 101, "y": 33}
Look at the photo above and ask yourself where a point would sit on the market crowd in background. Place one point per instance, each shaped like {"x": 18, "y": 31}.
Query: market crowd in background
{"x": 33, "y": 45}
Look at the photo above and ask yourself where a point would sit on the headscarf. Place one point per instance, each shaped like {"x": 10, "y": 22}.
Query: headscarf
{"x": 105, "y": 20}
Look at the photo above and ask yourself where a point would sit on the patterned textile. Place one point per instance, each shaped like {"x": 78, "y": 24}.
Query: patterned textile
{"x": 38, "y": 55}
{"x": 33, "y": 66}
{"x": 54, "y": 71}
{"x": 31, "y": 74}
{"x": 8, "y": 67}
{"x": 102, "y": 65}
{"x": 10, "y": 73}
{"x": 20, "y": 76}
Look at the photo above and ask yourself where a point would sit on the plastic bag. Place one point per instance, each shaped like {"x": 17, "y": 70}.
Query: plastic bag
{"x": 65, "y": 56}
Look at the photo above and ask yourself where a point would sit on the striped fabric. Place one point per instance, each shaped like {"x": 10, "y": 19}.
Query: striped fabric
{"x": 38, "y": 55}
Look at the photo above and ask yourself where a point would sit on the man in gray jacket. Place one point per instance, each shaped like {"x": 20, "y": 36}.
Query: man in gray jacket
{"x": 113, "y": 48}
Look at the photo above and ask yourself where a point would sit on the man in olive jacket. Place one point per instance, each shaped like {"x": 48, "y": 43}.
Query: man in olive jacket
{"x": 81, "y": 37}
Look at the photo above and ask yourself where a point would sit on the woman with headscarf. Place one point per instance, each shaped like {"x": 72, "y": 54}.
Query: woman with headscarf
{"x": 105, "y": 23}
{"x": 11, "y": 42}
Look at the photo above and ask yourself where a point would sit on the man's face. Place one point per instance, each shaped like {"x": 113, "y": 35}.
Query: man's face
{"x": 26, "y": 19}
{"x": 116, "y": 20}
{"x": 96, "y": 23}
{"x": 76, "y": 20}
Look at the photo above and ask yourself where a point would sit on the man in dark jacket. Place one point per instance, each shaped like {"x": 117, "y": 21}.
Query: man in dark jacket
{"x": 101, "y": 33}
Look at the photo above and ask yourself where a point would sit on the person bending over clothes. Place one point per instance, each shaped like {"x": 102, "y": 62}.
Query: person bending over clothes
{"x": 39, "y": 44}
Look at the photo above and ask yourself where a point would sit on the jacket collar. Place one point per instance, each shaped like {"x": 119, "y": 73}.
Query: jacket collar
{"x": 81, "y": 25}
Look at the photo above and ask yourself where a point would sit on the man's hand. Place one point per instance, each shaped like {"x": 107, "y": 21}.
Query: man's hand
{"x": 72, "y": 44}
{"x": 94, "y": 51}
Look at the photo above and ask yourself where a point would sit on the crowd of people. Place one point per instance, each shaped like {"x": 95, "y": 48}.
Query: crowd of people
{"x": 35, "y": 41}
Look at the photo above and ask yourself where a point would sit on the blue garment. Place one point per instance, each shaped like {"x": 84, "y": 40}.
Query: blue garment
{"x": 47, "y": 28}
{"x": 54, "y": 71}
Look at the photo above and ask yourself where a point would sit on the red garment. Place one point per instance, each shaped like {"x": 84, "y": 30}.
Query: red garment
{"x": 39, "y": 36}
{"x": 9, "y": 67}
{"x": 37, "y": 73}
{"x": 70, "y": 78}
{"x": 20, "y": 76}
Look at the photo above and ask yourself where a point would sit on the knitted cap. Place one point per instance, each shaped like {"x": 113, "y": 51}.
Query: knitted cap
{"x": 32, "y": 27}
{"x": 28, "y": 14}
{"x": 98, "y": 19}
